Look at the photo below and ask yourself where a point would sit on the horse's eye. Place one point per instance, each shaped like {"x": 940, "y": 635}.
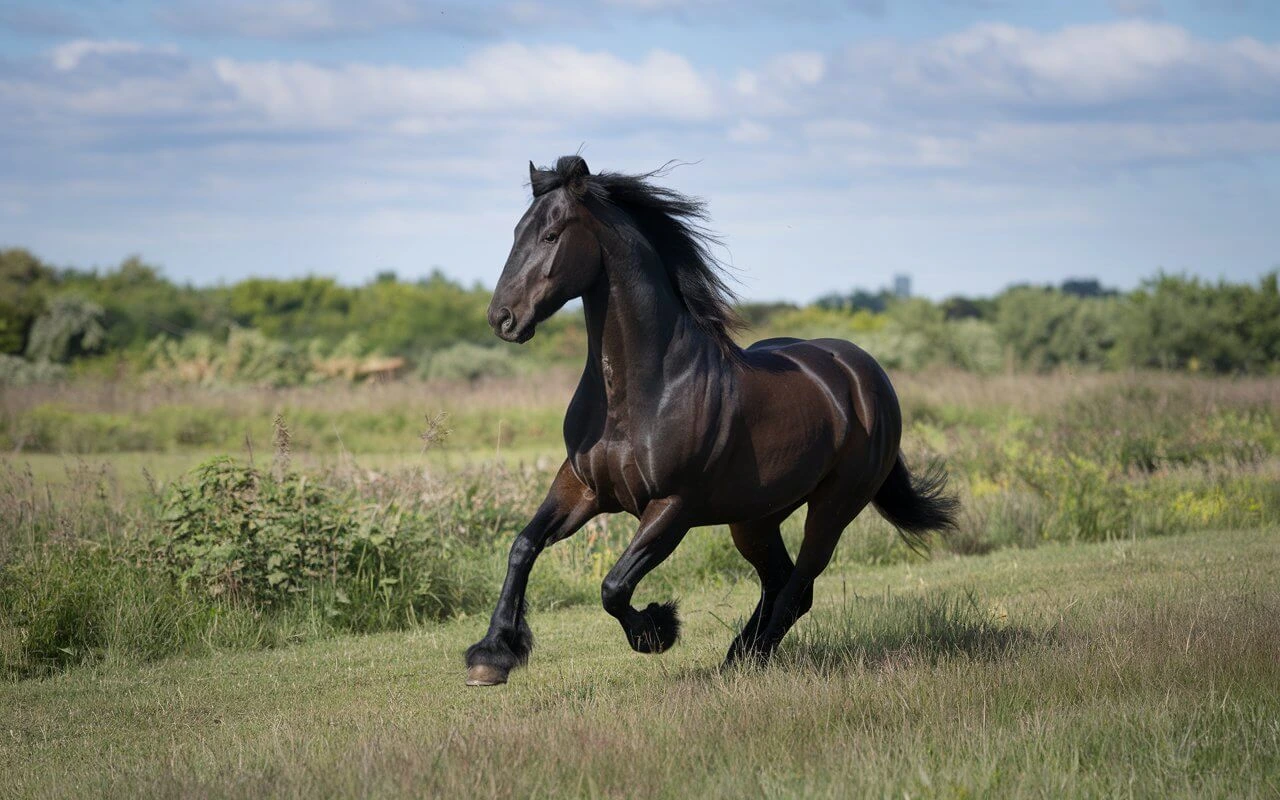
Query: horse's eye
{"x": 550, "y": 237}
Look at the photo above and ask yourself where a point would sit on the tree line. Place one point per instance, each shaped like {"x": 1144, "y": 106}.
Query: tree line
{"x": 133, "y": 317}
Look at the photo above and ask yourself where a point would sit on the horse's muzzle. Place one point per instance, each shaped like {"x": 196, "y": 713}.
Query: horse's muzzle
{"x": 508, "y": 328}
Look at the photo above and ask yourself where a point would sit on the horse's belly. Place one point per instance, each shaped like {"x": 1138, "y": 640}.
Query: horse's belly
{"x": 789, "y": 436}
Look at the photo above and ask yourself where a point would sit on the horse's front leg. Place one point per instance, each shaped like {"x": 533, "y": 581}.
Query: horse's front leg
{"x": 656, "y": 628}
{"x": 568, "y": 506}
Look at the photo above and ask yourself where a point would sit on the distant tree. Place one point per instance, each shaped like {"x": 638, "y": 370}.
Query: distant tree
{"x": 296, "y": 309}
{"x": 958, "y": 307}
{"x": 1086, "y": 287}
{"x": 70, "y": 327}
{"x": 1178, "y": 322}
{"x": 1045, "y": 328}
{"x": 856, "y": 300}
{"x": 140, "y": 303}
{"x": 25, "y": 282}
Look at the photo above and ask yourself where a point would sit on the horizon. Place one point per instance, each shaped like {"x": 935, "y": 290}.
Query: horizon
{"x": 970, "y": 145}
{"x": 886, "y": 289}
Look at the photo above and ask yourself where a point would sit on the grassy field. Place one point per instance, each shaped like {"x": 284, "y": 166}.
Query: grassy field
{"x": 1143, "y": 669}
{"x": 1104, "y": 622}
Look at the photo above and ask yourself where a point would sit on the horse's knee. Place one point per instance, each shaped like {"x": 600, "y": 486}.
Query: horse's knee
{"x": 615, "y": 596}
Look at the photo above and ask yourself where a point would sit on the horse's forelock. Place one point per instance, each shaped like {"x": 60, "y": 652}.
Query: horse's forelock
{"x": 570, "y": 171}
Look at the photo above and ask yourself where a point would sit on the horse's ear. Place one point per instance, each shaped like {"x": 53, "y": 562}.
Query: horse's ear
{"x": 573, "y": 171}
{"x": 532, "y": 171}
{"x": 573, "y": 168}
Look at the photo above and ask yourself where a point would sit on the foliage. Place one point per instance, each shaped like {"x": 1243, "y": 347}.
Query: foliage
{"x": 70, "y": 327}
{"x": 24, "y": 282}
{"x": 327, "y": 330}
{"x": 469, "y": 362}
{"x": 248, "y": 356}
{"x": 912, "y": 334}
{"x": 233, "y": 555}
{"x": 16, "y": 371}
{"x": 395, "y": 317}
{"x": 1045, "y": 329}
{"x": 75, "y": 605}
{"x": 139, "y": 303}
{"x": 253, "y": 538}
{"x": 1181, "y": 323}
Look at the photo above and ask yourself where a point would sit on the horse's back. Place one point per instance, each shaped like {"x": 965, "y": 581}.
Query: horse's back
{"x": 845, "y": 373}
{"x": 811, "y": 352}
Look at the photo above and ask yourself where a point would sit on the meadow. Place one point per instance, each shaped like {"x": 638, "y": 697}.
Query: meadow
{"x": 246, "y": 591}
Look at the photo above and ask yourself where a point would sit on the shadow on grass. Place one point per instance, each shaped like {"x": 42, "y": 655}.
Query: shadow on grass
{"x": 891, "y": 632}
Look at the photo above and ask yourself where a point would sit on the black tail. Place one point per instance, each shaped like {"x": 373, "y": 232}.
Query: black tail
{"x": 917, "y": 505}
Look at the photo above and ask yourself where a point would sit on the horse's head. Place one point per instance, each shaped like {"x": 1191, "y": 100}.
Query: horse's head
{"x": 556, "y": 255}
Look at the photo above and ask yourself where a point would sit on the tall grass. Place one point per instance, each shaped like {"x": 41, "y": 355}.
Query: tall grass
{"x": 257, "y": 552}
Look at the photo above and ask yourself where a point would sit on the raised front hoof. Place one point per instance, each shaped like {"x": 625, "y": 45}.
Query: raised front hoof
{"x": 486, "y": 675}
{"x": 656, "y": 628}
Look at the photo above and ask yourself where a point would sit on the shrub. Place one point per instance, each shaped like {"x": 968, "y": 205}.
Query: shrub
{"x": 252, "y": 538}
{"x": 15, "y": 371}
{"x": 247, "y": 356}
{"x": 70, "y": 327}
{"x": 469, "y": 362}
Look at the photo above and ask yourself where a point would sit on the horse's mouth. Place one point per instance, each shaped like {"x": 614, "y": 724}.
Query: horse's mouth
{"x": 520, "y": 336}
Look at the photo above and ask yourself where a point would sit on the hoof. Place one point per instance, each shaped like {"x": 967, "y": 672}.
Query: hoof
{"x": 656, "y": 629}
{"x": 485, "y": 675}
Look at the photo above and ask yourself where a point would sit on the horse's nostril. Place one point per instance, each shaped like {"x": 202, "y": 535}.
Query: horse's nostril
{"x": 506, "y": 320}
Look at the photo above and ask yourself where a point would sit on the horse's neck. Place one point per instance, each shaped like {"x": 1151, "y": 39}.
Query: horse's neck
{"x": 638, "y": 333}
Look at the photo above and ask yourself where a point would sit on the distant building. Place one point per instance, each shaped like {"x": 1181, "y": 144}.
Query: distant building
{"x": 901, "y": 285}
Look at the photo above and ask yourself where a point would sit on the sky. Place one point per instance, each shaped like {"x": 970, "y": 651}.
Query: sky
{"x": 970, "y": 144}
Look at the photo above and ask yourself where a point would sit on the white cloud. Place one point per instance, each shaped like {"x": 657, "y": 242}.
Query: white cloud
{"x": 1076, "y": 67}
{"x": 552, "y": 83}
{"x": 67, "y": 56}
{"x": 340, "y": 154}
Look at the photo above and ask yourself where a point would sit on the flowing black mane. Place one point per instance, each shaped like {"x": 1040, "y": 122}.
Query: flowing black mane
{"x": 673, "y": 223}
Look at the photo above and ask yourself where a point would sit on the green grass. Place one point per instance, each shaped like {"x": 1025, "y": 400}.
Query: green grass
{"x": 1140, "y": 668}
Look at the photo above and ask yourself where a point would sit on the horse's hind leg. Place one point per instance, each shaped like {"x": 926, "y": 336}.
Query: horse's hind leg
{"x": 827, "y": 519}
{"x": 760, "y": 543}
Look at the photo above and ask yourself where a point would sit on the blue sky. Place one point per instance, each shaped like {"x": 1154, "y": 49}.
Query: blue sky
{"x": 969, "y": 143}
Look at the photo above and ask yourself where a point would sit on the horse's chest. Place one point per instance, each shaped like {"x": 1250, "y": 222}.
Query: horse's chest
{"x": 612, "y": 471}
{"x": 612, "y": 466}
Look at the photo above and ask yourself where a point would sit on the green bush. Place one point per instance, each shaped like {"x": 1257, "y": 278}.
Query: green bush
{"x": 251, "y": 538}
{"x": 1176, "y": 322}
{"x": 70, "y": 327}
{"x": 1044, "y": 328}
{"x": 469, "y": 362}
{"x": 16, "y": 371}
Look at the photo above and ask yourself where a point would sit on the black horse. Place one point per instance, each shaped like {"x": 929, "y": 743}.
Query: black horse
{"x": 675, "y": 424}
